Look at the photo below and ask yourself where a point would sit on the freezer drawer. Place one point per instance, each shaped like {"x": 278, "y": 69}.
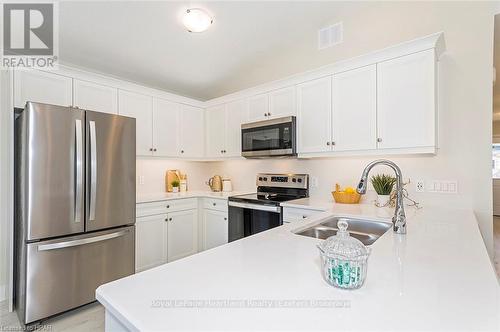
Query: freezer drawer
{"x": 63, "y": 274}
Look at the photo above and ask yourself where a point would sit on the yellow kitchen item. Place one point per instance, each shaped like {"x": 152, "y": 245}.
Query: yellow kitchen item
{"x": 347, "y": 196}
{"x": 215, "y": 183}
{"x": 172, "y": 175}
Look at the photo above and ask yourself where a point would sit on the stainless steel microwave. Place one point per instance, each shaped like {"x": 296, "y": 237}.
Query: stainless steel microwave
{"x": 269, "y": 138}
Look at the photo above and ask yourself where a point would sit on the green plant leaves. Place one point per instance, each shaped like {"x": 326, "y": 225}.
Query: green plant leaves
{"x": 383, "y": 183}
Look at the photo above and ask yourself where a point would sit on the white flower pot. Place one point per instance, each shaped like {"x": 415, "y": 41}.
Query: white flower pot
{"x": 175, "y": 189}
{"x": 383, "y": 200}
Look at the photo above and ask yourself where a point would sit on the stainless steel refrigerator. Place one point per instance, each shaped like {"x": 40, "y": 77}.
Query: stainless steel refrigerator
{"x": 75, "y": 206}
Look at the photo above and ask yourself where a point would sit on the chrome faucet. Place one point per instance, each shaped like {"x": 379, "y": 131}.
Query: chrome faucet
{"x": 399, "y": 219}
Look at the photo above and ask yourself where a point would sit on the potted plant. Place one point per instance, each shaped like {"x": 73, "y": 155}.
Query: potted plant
{"x": 175, "y": 186}
{"x": 383, "y": 184}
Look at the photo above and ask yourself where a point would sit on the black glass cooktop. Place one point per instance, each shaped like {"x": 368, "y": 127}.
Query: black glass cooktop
{"x": 264, "y": 198}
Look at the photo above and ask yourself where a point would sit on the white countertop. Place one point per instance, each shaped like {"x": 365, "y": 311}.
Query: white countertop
{"x": 437, "y": 277}
{"x": 163, "y": 196}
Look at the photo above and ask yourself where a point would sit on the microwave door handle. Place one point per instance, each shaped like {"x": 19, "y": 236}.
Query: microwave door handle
{"x": 93, "y": 171}
{"x": 78, "y": 170}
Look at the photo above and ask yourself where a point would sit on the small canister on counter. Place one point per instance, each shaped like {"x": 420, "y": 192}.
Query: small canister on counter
{"x": 344, "y": 259}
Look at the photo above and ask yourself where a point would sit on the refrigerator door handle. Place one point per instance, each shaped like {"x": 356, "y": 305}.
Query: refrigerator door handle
{"x": 79, "y": 171}
{"x": 74, "y": 243}
{"x": 93, "y": 170}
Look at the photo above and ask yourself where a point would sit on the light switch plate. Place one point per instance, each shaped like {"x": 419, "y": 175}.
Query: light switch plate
{"x": 141, "y": 180}
{"x": 444, "y": 187}
{"x": 314, "y": 182}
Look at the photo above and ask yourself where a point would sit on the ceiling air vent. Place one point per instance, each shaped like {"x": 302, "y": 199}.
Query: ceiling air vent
{"x": 329, "y": 36}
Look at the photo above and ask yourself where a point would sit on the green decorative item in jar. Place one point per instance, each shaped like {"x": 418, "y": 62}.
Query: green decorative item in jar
{"x": 344, "y": 259}
{"x": 383, "y": 183}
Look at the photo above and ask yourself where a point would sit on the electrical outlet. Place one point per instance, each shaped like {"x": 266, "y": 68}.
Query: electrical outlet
{"x": 141, "y": 180}
{"x": 420, "y": 186}
{"x": 314, "y": 182}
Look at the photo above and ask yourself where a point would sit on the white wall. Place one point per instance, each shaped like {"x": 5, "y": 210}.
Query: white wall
{"x": 465, "y": 99}
{"x": 154, "y": 171}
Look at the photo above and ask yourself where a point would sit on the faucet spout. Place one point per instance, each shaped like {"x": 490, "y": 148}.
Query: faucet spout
{"x": 399, "y": 219}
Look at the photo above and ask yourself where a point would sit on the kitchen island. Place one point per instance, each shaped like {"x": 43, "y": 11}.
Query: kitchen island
{"x": 436, "y": 277}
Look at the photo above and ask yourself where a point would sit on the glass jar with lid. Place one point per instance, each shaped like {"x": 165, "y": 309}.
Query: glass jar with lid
{"x": 344, "y": 259}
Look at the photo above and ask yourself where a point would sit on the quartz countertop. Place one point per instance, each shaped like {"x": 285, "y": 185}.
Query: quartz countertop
{"x": 163, "y": 196}
{"x": 437, "y": 277}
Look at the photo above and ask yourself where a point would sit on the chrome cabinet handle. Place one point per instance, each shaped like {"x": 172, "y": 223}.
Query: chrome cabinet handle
{"x": 328, "y": 143}
{"x": 265, "y": 114}
{"x": 269, "y": 114}
{"x": 168, "y": 206}
{"x": 333, "y": 143}
{"x": 214, "y": 204}
{"x": 170, "y": 219}
{"x": 154, "y": 149}
{"x": 182, "y": 151}
{"x": 225, "y": 218}
{"x": 74, "y": 243}
{"x": 150, "y": 149}
{"x": 166, "y": 219}
{"x": 93, "y": 170}
{"x": 379, "y": 140}
{"x": 79, "y": 170}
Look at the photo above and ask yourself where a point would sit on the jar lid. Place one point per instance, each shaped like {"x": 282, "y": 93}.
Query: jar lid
{"x": 343, "y": 245}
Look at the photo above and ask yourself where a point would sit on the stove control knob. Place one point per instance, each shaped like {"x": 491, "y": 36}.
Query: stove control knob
{"x": 299, "y": 180}
{"x": 265, "y": 179}
{"x": 294, "y": 180}
{"x": 260, "y": 178}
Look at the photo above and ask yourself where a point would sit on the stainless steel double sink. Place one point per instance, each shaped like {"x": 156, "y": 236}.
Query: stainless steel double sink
{"x": 367, "y": 231}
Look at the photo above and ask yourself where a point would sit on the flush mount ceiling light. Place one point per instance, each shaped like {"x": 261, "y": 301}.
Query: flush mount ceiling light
{"x": 197, "y": 20}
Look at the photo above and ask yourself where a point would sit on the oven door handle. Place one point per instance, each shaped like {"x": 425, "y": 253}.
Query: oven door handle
{"x": 275, "y": 209}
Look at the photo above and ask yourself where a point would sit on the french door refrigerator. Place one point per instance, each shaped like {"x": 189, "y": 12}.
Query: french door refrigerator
{"x": 75, "y": 206}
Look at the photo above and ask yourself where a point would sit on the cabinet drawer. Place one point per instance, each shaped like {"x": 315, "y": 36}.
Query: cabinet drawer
{"x": 153, "y": 208}
{"x": 296, "y": 214}
{"x": 215, "y": 204}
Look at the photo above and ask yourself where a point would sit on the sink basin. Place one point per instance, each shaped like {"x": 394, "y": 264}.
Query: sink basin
{"x": 367, "y": 231}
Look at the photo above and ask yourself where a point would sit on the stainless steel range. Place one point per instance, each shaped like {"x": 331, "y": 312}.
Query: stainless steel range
{"x": 254, "y": 213}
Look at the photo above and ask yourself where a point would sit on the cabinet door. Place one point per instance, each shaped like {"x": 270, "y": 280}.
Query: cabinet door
{"x": 314, "y": 115}
{"x": 150, "y": 241}
{"x": 282, "y": 102}
{"x": 258, "y": 107}
{"x": 139, "y": 107}
{"x": 406, "y": 101}
{"x": 215, "y": 229}
{"x": 95, "y": 97}
{"x": 216, "y": 131}
{"x": 235, "y": 115}
{"x": 42, "y": 87}
{"x": 182, "y": 234}
{"x": 165, "y": 128}
{"x": 192, "y": 137}
{"x": 354, "y": 100}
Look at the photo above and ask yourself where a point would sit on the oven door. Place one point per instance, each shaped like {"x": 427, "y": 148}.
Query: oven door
{"x": 269, "y": 138}
{"x": 246, "y": 219}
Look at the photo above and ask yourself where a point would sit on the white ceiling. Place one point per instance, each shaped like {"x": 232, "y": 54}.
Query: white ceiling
{"x": 250, "y": 42}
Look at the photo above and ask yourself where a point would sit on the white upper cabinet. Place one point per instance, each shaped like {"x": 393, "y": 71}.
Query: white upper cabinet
{"x": 406, "y": 101}
{"x": 282, "y": 102}
{"x": 236, "y": 112}
{"x": 140, "y": 107}
{"x": 354, "y": 99}
{"x": 42, "y": 87}
{"x": 95, "y": 97}
{"x": 258, "y": 107}
{"x": 314, "y": 110}
{"x": 182, "y": 234}
{"x": 165, "y": 128}
{"x": 192, "y": 136}
{"x": 216, "y": 131}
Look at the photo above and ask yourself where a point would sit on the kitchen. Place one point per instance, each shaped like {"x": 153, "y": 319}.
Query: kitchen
{"x": 369, "y": 95}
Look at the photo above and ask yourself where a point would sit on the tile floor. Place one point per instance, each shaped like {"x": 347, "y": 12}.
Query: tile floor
{"x": 89, "y": 318}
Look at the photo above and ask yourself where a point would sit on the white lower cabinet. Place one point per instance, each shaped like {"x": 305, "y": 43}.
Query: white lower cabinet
{"x": 297, "y": 214}
{"x": 150, "y": 241}
{"x": 215, "y": 228}
{"x": 182, "y": 230}
{"x": 165, "y": 237}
